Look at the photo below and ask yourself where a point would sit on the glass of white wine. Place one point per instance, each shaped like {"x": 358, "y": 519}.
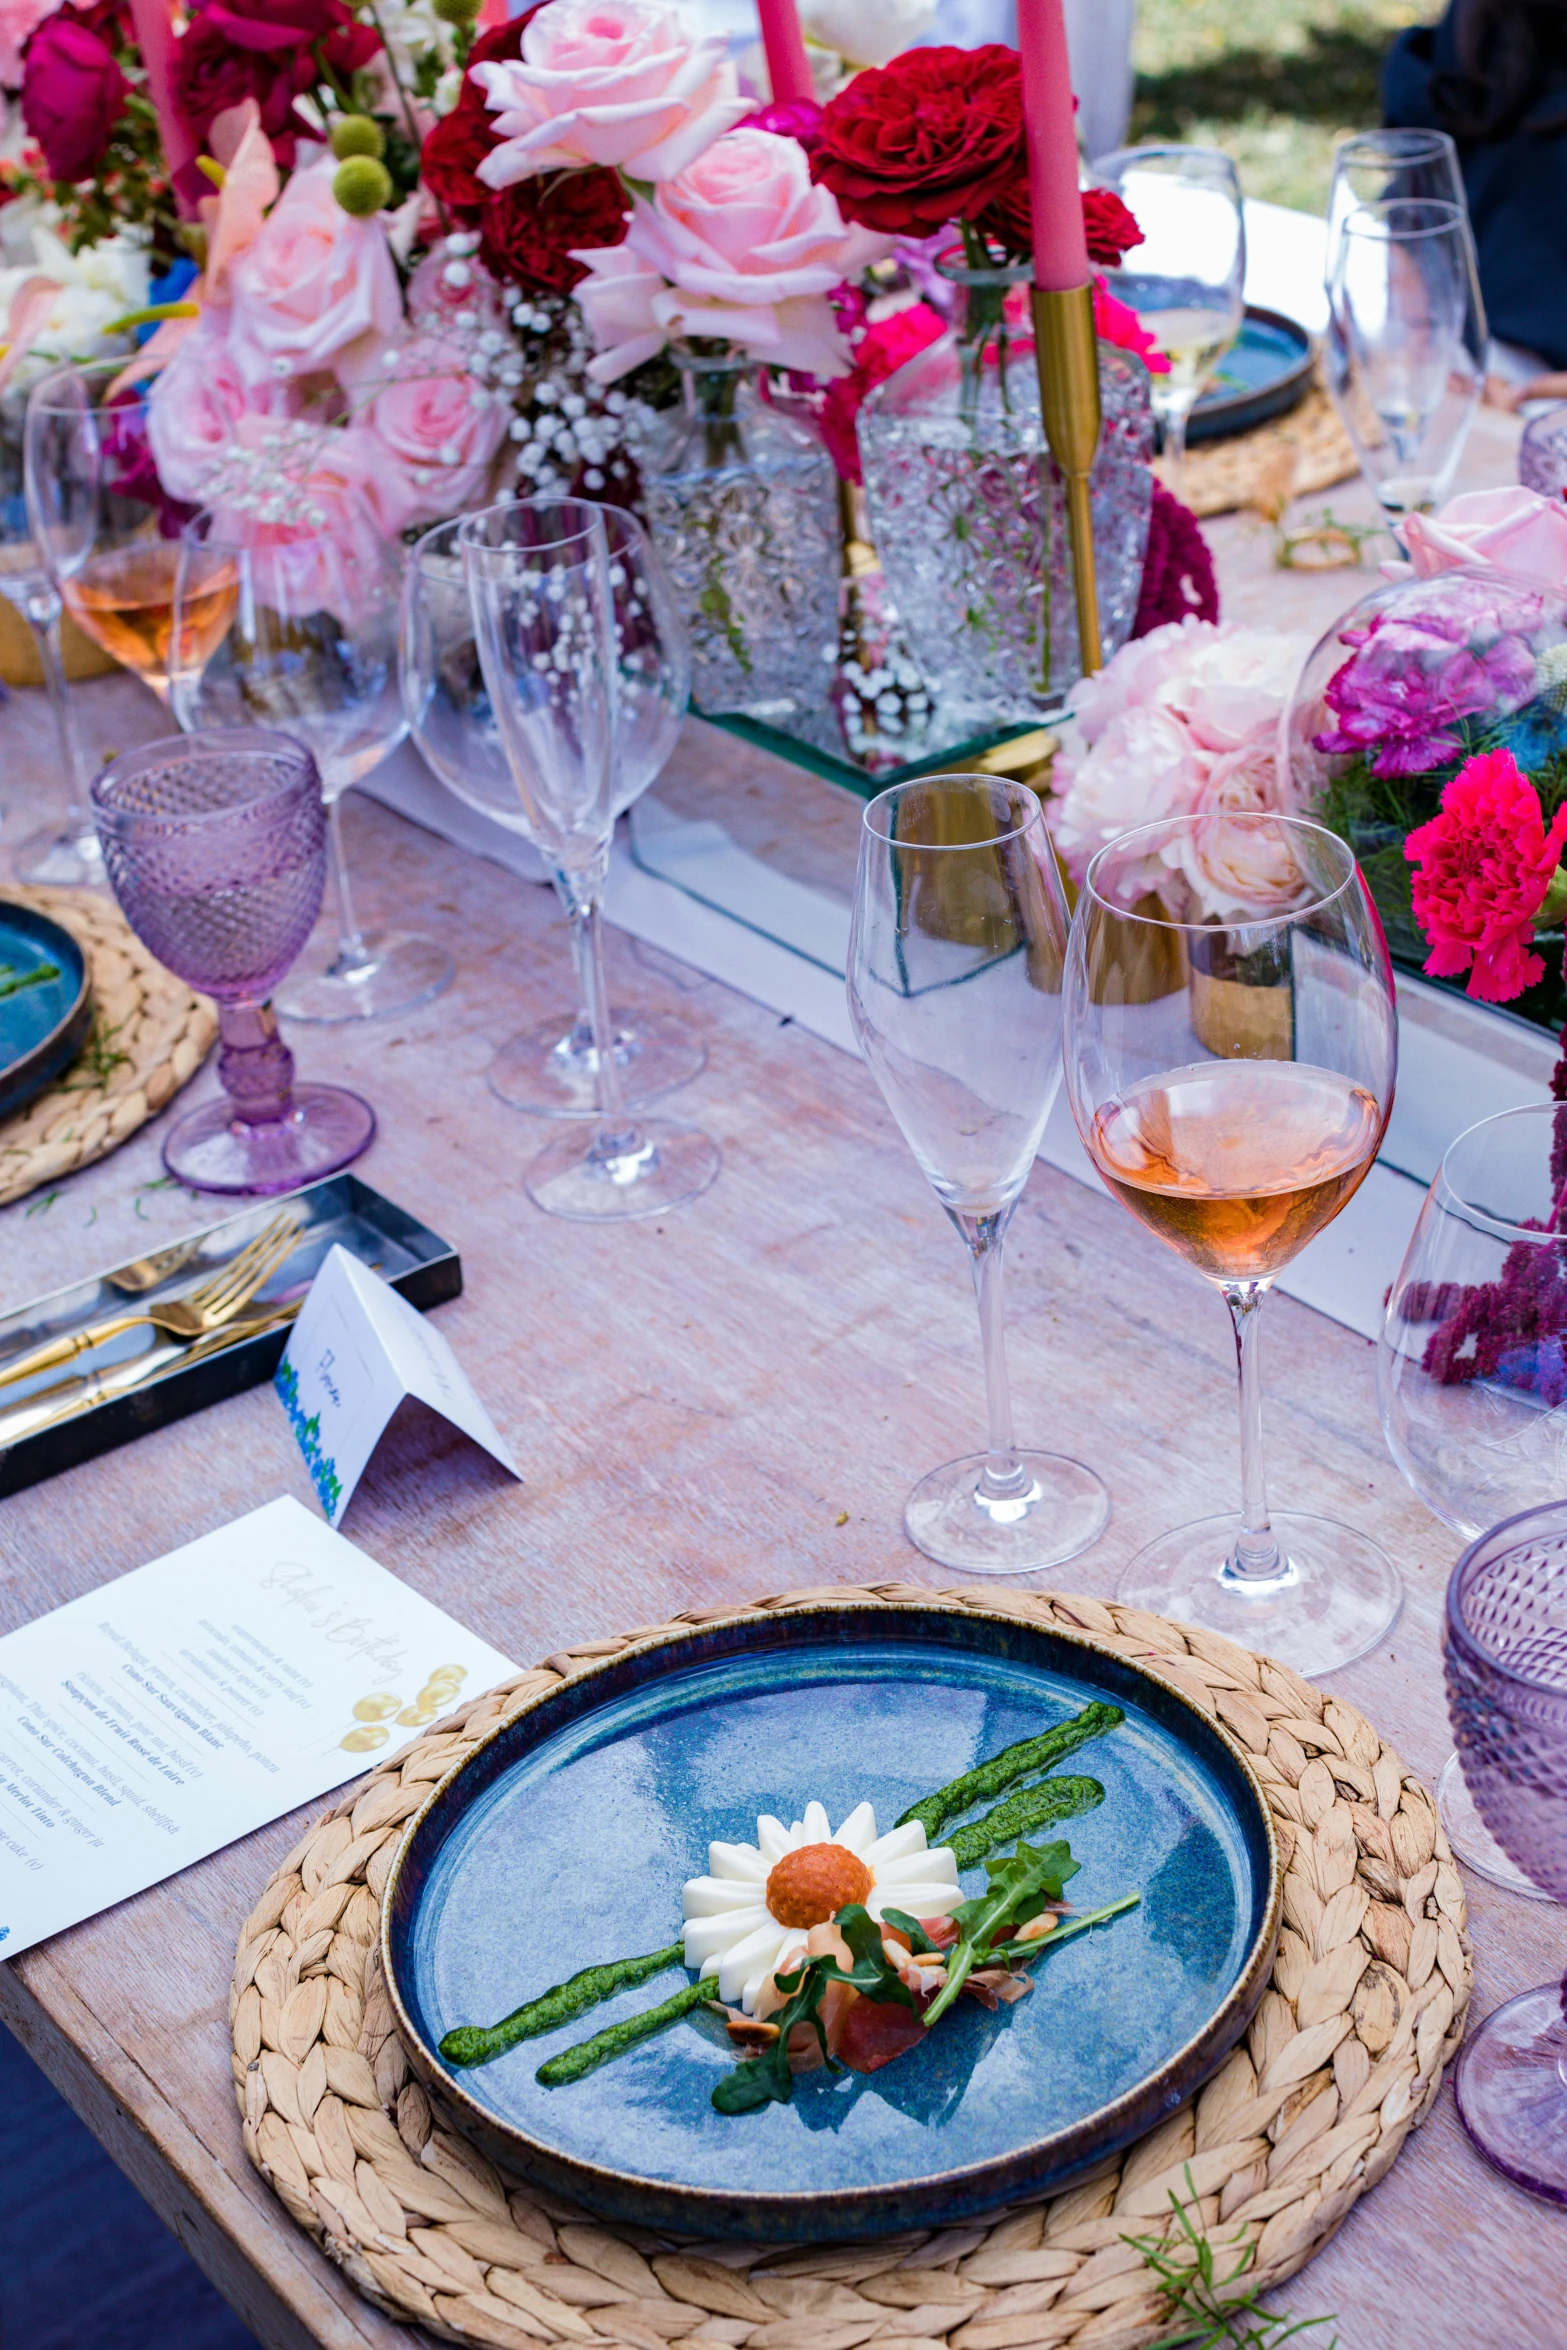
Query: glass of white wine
{"x": 1185, "y": 279}
{"x": 1230, "y": 1044}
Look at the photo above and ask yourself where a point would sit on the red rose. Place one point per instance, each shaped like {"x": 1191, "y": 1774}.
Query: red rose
{"x": 73, "y": 94}
{"x": 266, "y": 50}
{"x": 452, "y": 153}
{"x": 933, "y": 137}
{"x": 528, "y": 231}
{"x": 1008, "y": 222}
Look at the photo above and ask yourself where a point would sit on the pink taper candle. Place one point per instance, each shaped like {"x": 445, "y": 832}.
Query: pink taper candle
{"x": 788, "y": 67}
{"x": 154, "y": 25}
{"x": 1060, "y": 247}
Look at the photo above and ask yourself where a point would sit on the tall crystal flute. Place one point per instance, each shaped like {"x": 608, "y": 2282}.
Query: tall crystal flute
{"x": 549, "y": 1070}
{"x": 543, "y": 609}
{"x": 955, "y": 955}
{"x": 66, "y": 852}
{"x": 1230, "y": 1044}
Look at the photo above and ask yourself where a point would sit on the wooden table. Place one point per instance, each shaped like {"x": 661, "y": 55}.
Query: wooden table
{"x": 727, "y": 1403}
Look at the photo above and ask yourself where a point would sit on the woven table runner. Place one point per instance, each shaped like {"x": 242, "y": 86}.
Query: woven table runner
{"x": 150, "y": 1035}
{"x": 1344, "y": 2056}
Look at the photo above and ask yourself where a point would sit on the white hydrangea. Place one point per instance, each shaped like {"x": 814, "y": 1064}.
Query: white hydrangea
{"x": 103, "y": 282}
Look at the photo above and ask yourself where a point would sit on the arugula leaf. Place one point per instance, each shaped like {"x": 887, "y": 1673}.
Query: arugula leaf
{"x": 1031, "y": 1873}
{"x": 919, "y": 1941}
{"x": 766, "y": 2079}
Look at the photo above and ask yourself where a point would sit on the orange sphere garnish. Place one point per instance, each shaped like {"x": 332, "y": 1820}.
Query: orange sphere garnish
{"x": 809, "y": 1886}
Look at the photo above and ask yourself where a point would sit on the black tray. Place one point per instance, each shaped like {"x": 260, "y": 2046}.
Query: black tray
{"x": 416, "y": 1262}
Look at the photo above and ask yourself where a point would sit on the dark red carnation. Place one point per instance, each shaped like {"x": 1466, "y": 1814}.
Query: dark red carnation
{"x": 449, "y": 164}
{"x": 269, "y": 50}
{"x": 934, "y": 137}
{"x": 527, "y": 232}
{"x": 73, "y": 94}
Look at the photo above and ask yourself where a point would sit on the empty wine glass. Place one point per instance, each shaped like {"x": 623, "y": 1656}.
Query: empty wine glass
{"x": 110, "y": 534}
{"x": 66, "y": 854}
{"x": 955, "y": 953}
{"x": 1375, "y": 167}
{"x": 1472, "y": 1363}
{"x": 1230, "y": 1043}
{"x": 550, "y": 1069}
{"x": 1409, "y": 325}
{"x": 1505, "y": 1654}
{"x": 538, "y": 575}
{"x": 215, "y": 845}
{"x": 1186, "y": 279}
{"x": 310, "y": 646}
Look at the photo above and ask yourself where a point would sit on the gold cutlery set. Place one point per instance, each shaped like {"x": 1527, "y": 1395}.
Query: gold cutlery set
{"x": 196, "y": 1323}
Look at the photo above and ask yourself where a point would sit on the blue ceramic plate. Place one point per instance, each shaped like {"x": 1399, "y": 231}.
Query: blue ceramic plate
{"x": 565, "y": 1841}
{"x": 1262, "y": 375}
{"x": 43, "y": 1019}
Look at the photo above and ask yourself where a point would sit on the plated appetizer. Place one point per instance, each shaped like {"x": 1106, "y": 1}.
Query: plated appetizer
{"x": 847, "y": 1947}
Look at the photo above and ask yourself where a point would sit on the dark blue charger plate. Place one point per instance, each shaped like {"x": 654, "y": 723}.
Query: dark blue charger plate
{"x": 566, "y": 1838}
{"x": 1262, "y": 375}
{"x": 43, "y": 1022}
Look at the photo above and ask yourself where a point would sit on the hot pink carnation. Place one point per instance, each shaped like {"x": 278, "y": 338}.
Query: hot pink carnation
{"x": 880, "y": 352}
{"x": 1482, "y": 869}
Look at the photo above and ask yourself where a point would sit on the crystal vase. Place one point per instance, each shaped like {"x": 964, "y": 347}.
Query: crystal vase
{"x": 977, "y": 558}
{"x": 742, "y": 503}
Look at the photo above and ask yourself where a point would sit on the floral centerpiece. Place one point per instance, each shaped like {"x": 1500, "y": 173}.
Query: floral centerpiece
{"x": 1462, "y": 658}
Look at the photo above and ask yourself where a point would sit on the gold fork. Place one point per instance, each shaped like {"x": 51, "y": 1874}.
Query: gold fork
{"x": 146, "y": 1273}
{"x": 206, "y": 1308}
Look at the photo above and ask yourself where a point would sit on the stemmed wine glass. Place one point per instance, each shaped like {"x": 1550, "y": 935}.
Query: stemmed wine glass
{"x": 66, "y": 854}
{"x": 309, "y": 645}
{"x": 1408, "y": 325}
{"x": 1230, "y": 1044}
{"x": 110, "y": 534}
{"x": 1472, "y": 1363}
{"x": 538, "y": 574}
{"x": 1506, "y": 1669}
{"x": 1377, "y": 167}
{"x": 215, "y": 845}
{"x": 550, "y": 1069}
{"x": 955, "y": 954}
{"x": 1186, "y": 279}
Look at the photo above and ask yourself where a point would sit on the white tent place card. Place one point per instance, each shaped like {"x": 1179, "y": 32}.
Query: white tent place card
{"x": 168, "y": 1713}
{"x": 355, "y": 1353}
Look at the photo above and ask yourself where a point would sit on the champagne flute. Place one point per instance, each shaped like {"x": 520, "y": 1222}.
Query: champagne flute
{"x": 955, "y": 954}
{"x": 1231, "y": 1044}
{"x": 1375, "y": 167}
{"x": 538, "y": 574}
{"x": 66, "y": 855}
{"x": 1186, "y": 279}
{"x": 309, "y": 646}
{"x": 1409, "y": 325}
{"x": 550, "y": 1069}
{"x": 110, "y": 534}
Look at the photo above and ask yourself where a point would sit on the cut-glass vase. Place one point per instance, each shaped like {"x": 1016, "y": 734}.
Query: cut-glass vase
{"x": 977, "y": 558}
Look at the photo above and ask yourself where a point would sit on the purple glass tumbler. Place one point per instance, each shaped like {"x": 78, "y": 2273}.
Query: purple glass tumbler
{"x": 1506, "y": 1666}
{"x": 215, "y": 845}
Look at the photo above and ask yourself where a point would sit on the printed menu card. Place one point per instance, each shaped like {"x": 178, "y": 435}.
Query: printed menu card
{"x": 178, "y": 1708}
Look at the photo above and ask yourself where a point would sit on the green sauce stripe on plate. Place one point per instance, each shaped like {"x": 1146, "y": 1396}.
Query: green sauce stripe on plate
{"x": 472, "y": 2044}
{"x": 615, "y": 2039}
{"x": 1030, "y": 1808}
{"x": 1003, "y": 1770}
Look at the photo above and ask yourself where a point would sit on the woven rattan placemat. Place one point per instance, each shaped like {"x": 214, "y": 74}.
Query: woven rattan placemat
{"x": 150, "y": 1035}
{"x": 1293, "y": 457}
{"x": 1344, "y": 2056}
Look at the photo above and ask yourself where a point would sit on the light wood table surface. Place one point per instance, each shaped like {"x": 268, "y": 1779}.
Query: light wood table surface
{"x": 729, "y": 1402}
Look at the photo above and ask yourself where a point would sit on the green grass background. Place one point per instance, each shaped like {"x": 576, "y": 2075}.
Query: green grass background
{"x": 1273, "y": 82}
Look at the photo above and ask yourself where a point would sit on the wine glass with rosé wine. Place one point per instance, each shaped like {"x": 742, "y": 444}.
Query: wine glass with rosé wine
{"x": 1231, "y": 1044}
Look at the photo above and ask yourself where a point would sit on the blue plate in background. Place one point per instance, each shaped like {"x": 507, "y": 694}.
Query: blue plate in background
{"x": 1262, "y": 375}
{"x": 566, "y": 1838}
{"x": 43, "y": 1021}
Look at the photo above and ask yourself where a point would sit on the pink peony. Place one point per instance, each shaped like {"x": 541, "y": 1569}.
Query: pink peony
{"x": 618, "y": 82}
{"x": 738, "y": 248}
{"x": 1483, "y": 866}
{"x": 1512, "y": 529}
{"x": 440, "y": 431}
{"x": 1401, "y": 698}
{"x": 18, "y": 19}
{"x": 317, "y": 289}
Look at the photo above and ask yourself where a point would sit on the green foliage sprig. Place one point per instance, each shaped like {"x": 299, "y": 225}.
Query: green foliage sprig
{"x": 1215, "y": 2316}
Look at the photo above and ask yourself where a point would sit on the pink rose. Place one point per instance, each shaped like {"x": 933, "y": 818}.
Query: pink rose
{"x": 1508, "y": 530}
{"x": 1238, "y": 871}
{"x": 18, "y": 18}
{"x": 195, "y": 409}
{"x": 317, "y": 289}
{"x": 617, "y": 82}
{"x": 315, "y": 541}
{"x": 741, "y": 247}
{"x": 440, "y": 431}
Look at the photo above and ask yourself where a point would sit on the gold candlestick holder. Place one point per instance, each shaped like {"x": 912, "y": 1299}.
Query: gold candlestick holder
{"x": 1066, "y": 351}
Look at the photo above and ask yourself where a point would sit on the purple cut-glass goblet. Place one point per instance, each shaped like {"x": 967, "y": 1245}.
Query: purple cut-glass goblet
{"x": 215, "y": 845}
{"x": 1506, "y": 1652}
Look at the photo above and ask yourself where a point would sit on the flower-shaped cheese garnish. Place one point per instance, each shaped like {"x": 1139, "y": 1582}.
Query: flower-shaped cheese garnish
{"x": 751, "y": 1915}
